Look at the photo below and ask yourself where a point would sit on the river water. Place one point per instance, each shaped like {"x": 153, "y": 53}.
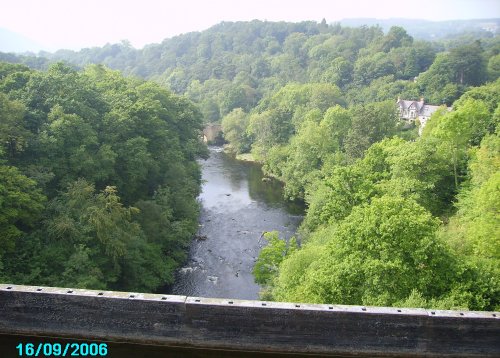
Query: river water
{"x": 237, "y": 207}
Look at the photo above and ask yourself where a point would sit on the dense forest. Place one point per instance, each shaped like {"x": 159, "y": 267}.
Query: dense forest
{"x": 98, "y": 179}
{"x": 394, "y": 218}
{"x": 411, "y": 223}
{"x": 236, "y": 64}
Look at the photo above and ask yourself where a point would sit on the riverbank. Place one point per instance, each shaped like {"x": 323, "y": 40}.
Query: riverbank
{"x": 249, "y": 158}
{"x": 244, "y": 157}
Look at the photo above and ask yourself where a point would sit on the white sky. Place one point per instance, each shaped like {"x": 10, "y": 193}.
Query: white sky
{"x": 75, "y": 24}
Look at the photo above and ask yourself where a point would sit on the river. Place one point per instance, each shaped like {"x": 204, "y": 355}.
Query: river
{"x": 237, "y": 207}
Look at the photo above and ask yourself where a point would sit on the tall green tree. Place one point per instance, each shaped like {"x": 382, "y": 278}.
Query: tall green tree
{"x": 21, "y": 206}
{"x": 13, "y": 136}
{"x": 468, "y": 64}
{"x": 370, "y": 123}
{"x": 271, "y": 256}
{"x": 234, "y": 127}
{"x": 376, "y": 256}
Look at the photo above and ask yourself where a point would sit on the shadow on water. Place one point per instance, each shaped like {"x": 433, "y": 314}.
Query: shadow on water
{"x": 270, "y": 191}
{"x": 237, "y": 207}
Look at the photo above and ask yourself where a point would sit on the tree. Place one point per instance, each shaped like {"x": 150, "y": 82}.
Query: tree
{"x": 458, "y": 129}
{"x": 494, "y": 67}
{"x": 376, "y": 256}
{"x": 270, "y": 128}
{"x": 475, "y": 227}
{"x": 396, "y": 37}
{"x": 21, "y": 205}
{"x": 234, "y": 127}
{"x": 69, "y": 143}
{"x": 383, "y": 89}
{"x": 339, "y": 72}
{"x": 370, "y": 123}
{"x": 473, "y": 231}
{"x": 434, "y": 81}
{"x": 95, "y": 228}
{"x": 279, "y": 115}
{"x": 425, "y": 54}
{"x": 13, "y": 136}
{"x": 333, "y": 198}
{"x": 417, "y": 170}
{"x": 271, "y": 256}
{"x": 85, "y": 137}
{"x": 368, "y": 68}
{"x": 468, "y": 64}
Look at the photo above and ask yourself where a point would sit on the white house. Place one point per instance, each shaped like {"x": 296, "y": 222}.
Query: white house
{"x": 411, "y": 110}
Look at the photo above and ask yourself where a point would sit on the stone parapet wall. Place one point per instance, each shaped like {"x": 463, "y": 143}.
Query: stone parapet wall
{"x": 246, "y": 325}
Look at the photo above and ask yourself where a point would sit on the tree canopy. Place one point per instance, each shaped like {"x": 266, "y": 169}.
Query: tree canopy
{"x": 98, "y": 181}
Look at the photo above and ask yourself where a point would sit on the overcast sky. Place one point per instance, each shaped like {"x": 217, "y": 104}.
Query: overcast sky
{"x": 75, "y": 24}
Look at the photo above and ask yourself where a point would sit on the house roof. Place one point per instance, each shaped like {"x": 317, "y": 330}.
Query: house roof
{"x": 427, "y": 110}
{"x": 407, "y": 104}
{"x": 422, "y": 108}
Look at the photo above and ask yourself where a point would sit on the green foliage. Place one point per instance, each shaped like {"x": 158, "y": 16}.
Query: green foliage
{"x": 451, "y": 72}
{"x": 235, "y": 65}
{"x": 339, "y": 72}
{"x": 368, "y": 68}
{"x": 271, "y": 256}
{"x": 494, "y": 67}
{"x": 234, "y": 127}
{"x": 437, "y": 83}
{"x": 489, "y": 94}
{"x": 370, "y": 123}
{"x": 21, "y": 204}
{"x": 417, "y": 170}
{"x": 383, "y": 89}
{"x": 376, "y": 256}
{"x": 333, "y": 198}
{"x": 414, "y": 170}
{"x": 468, "y": 64}
{"x": 297, "y": 130}
{"x": 315, "y": 145}
{"x": 475, "y": 228}
{"x": 297, "y": 98}
{"x": 370, "y": 235}
{"x": 13, "y": 136}
{"x": 458, "y": 129}
{"x": 396, "y": 37}
{"x": 90, "y": 240}
{"x": 98, "y": 145}
{"x": 94, "y": 227}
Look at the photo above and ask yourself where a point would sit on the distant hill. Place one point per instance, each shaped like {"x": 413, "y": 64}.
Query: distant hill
{"x": 431, "y": 30}
{"x": 13, "y": 42}
{"x": 236, "y": 64}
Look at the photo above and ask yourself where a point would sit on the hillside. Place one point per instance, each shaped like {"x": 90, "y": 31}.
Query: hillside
{"x": 233, "y": 65}
{"x": 433, "y": 30}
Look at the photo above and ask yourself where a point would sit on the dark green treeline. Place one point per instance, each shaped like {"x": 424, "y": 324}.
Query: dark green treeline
{"x": 98, "y": 179}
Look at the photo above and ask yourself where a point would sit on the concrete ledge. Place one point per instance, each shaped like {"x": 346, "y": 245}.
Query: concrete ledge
{"x": 246, "y": 325}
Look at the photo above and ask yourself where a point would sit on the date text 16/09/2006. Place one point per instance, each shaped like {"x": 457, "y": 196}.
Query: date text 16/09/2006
{"x": 80, "y": 349}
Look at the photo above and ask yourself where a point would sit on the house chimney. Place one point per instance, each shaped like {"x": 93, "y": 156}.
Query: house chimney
{"x": 422, "y": 99}
{"x": 399, "y": 98}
